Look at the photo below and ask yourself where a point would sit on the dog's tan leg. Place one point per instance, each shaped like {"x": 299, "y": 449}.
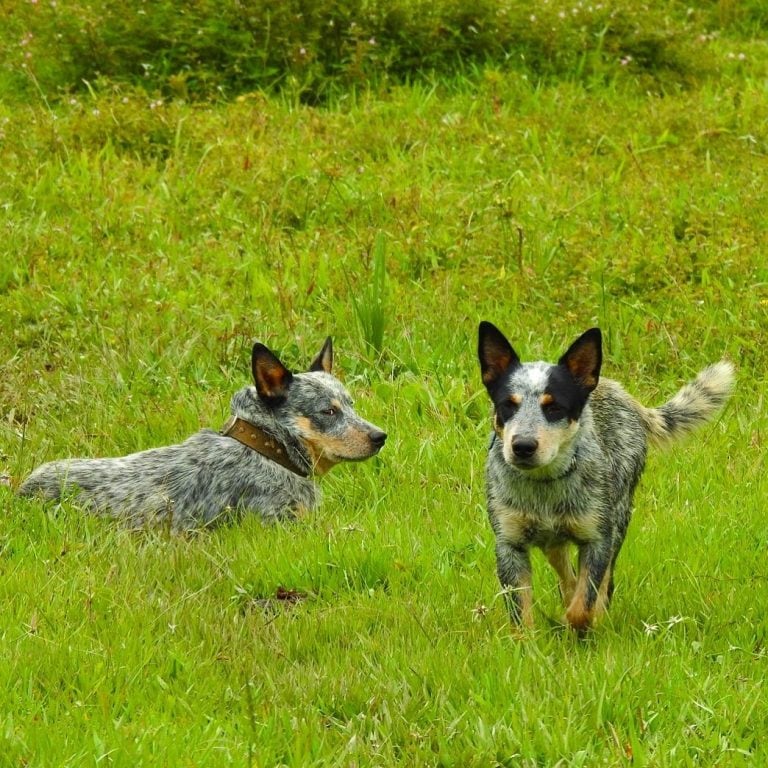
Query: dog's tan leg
{"x": 559, "y": 558}
{"x": 603, "y": 599}
{"x": 525, "y": 592}
{"x": 590, "y": 599}
{"x": 514, "y": 568}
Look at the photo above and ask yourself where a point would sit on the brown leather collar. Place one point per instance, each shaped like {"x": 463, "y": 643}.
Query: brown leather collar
{"x": 261, "y": 442}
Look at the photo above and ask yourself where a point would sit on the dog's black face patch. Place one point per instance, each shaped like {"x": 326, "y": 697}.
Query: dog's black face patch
{"x": 506, "y": 406}
{"x": 564, "y": 397}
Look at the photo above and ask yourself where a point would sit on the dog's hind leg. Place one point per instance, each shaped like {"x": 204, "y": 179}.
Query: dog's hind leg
{"x": 560, "y": 559}
{"x": 513, "y": 565}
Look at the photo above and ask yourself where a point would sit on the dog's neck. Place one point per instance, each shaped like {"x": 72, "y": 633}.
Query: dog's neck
{"x": 262, "y": 442}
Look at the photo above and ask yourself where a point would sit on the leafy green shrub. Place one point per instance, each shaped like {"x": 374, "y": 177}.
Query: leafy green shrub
{"x": 197, "y": 49}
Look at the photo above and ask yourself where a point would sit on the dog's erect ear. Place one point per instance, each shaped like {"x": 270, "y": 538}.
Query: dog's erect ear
{"x": 584, "y": 358}
{"x": 270, "y": 376}
{"x": 495, "y": 353}
{"x": 324, "y": 361}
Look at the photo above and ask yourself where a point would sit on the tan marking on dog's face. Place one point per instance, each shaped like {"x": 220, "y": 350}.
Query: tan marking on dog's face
{"x": 546, "y": 399}
{"x": 552, "y": 439}
{"x": 328, "y": 450}
{"x": 516, "y": 399}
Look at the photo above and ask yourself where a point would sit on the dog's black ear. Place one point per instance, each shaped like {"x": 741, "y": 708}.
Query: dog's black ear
{"x": 324, "y": 361}
{"x": 270, "y": 376}
{"x": 584, "y": 358}
{"x": 495, "y": 353}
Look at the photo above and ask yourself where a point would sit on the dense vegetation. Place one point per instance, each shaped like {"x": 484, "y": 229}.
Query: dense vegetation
{"x": 209, "y": 48}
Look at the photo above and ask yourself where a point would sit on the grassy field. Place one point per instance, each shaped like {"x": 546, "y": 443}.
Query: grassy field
{"x": 147, "y": 242}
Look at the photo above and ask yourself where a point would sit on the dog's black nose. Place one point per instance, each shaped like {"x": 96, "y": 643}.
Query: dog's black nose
{"x": 378, "y": 438}
{"x": 524, "y": 447}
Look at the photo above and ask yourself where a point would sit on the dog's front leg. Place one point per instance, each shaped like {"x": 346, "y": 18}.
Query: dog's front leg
{"x": 591, "y": 596}
{"x": 513, "y": 564}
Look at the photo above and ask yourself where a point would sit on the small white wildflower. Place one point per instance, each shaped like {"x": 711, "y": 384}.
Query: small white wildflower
{"x": 650, "y": 628}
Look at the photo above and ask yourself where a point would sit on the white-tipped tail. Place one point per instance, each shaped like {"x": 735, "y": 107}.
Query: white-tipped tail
{"x": 692, "y": 406}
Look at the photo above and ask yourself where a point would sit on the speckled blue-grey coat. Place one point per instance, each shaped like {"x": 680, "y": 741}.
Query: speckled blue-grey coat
{"x": 211, "y": 477}
{"x": 567, "y": 452}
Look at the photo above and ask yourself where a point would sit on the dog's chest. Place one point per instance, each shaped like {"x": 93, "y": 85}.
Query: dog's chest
{"x": 545, "y": 528}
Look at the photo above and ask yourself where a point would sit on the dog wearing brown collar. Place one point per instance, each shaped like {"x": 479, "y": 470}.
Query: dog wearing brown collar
{"x": 285, "y": 430}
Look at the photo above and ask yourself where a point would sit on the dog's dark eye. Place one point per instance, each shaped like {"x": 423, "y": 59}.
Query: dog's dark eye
{"x": 553, "y": 411}
{"x": 506, "y": 410}
{"x": 330, "y": 411}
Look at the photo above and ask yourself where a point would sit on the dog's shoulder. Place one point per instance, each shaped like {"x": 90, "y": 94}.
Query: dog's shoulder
{"x": 610, "y": 404}
{"x": 618, "y": 425}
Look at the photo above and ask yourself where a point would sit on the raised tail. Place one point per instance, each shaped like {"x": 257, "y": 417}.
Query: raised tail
{"x": 692, "y": 406}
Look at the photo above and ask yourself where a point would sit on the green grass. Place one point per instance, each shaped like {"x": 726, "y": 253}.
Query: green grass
{"x": 146, "y": 246}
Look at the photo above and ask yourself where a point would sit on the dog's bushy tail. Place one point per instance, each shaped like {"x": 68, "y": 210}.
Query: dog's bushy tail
{"x": 692, "y": 406}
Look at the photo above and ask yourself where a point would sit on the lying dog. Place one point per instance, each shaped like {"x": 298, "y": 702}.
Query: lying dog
{"x": 284, "y": 431}
{"x": 564, "y": 462}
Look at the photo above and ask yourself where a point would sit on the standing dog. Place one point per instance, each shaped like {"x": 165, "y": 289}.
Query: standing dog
{"x": 567, "y": 452}
{"x": 284, "y": 430}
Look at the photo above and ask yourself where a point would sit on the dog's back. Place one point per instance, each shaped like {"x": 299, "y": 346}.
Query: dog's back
{"x": 209, "y": 478}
